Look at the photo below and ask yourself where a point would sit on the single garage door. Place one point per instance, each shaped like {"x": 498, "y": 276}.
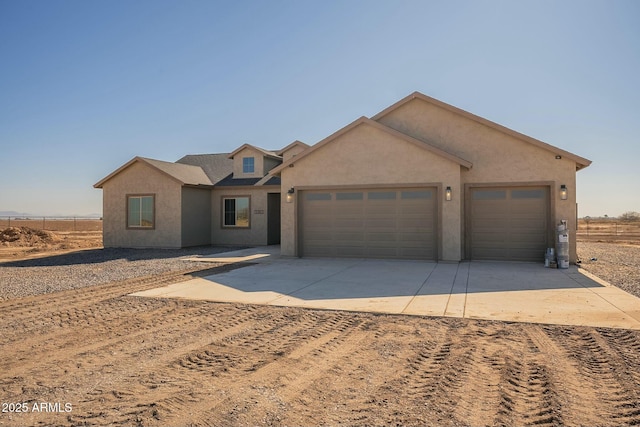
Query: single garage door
{"x": 509, "y": 223}
{"x": 375, "y": 223}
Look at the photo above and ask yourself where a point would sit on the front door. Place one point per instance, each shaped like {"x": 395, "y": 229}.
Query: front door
{"x": 273, "y": 218}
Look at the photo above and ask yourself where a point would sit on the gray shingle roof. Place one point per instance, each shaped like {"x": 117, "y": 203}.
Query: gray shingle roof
{"x": 215, "y": 166}
{"x": 230, "y": 181}
{"x": 187, "y": 174}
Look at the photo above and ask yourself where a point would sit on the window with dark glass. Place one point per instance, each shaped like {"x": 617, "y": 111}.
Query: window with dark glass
{"x": 235, "y": 212}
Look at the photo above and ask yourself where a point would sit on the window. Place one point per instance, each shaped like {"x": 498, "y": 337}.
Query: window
{"x": 349, "y": 196}
{"x": 489, "y": 194}
{"x": 318, "y": 196}
{"x": 248, "y": 165}
{"x": 418, "y": 194}
{"x": 141, "y": 211}
{"x": 235, "y": 212}
{"x": 527, "y": 194}
{"x": 382, "y": 195}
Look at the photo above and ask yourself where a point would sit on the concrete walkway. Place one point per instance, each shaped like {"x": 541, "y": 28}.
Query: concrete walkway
{"x": 518, "y": 292}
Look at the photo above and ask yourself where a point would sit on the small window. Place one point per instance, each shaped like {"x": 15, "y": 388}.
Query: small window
{"x": 248, "y": 165}
{"x": 235, "y": 212}
{"x": 349, "y": 196}
{"x": 420, "y": 194}
{"x": 140, "y": 211}
{"x": 382, "y": 195}
{"x": 489, "y": 195}
{"x": 527, "y": 194}
{"x": 313, "y": 197}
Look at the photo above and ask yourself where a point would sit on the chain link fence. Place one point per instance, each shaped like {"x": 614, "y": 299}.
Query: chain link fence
{"x": 594, "y": 230}
{"x": 51, "y": 223}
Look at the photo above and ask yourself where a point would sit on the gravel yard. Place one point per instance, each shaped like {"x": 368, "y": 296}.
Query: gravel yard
{"x": 618, "y": 264}
{"x": 92, "y": 267}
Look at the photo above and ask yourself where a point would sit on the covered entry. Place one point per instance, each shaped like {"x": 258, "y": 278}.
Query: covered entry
{"x": 508, "y": 223}
{"x": 369, "y": 223}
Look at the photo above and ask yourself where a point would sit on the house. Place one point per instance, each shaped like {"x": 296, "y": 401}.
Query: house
{"x": 419, "y": 180}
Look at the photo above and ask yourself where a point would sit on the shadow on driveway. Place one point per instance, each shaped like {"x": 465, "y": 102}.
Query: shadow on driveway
{"x": 97, "y": 256}
{"x": 339, "y": 279}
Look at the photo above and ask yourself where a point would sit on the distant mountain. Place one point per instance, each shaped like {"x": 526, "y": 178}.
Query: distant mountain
{"x": 14, "y": 213}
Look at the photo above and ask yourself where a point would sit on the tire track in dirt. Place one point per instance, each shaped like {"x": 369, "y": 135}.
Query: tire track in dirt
{"x": 158, "y": 377}
{"x": 239, "y": 334}
{"x": 608, "y": 371}
{"x": 103, "y": 334}
{"x": 279, "y": 367}
{"x": 527, "y": 396}
{"x": 550, "y": 345}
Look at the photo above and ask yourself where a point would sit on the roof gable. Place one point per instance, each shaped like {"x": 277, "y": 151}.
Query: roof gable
{"x": 262, "y": 151}
{"x": 363, "y": 121}
{"x": 294, "y": 144}
{"x": 181, "y": 173}
{"x": 581, "y": 162}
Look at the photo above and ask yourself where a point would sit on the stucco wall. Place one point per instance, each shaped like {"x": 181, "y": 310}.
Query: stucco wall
{"x": 196, "y": 216}
{"x": 497, "y": 157}
{"x": 140, "y": 178}
{"x": 292, "y": 152}
{"x": 256, "y": 234}
{"x": 370, "y": 157}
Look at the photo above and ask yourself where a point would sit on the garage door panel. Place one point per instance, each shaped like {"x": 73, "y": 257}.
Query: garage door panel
{"x": 488, "y": 238}
{"x": 417, "y": 253}
{"x": 381, "y": 252}
{"x": 350, "y": 252}
{"x": 522, "y": 240}
{"x": 509, "y": 223}
{"x": 382, "y": 236}
{"x": 375, "y": 208}
{"x": 491, "y": 253}
{"x": 524, "y": 254}
{"x": 349, "y": 236}
{"x": 318, "y": 251}
{"x": 528, "y": 223}
{"x": 348, "y": 223}
{"x": 419, "y": 236}
{"x": 380, "y": 223}
{"x": 413, "y": 223}
{"x": 313, "y": 235}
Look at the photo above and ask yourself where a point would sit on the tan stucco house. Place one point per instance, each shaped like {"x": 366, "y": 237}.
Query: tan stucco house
{"x": 420, "y": 180}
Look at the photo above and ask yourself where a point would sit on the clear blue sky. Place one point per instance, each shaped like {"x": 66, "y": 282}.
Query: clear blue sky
{"x": 87, "y": 85}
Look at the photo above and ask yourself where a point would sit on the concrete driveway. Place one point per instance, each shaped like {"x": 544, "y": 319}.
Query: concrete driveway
{"x": 518, "y": 292}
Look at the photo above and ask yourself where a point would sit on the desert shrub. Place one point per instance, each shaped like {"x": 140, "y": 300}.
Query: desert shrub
{"x": 630, "y": 216}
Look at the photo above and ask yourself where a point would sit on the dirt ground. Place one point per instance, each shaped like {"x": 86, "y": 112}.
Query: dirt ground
{"x": 95, "y": 356}
{"x": 25, "y": 240}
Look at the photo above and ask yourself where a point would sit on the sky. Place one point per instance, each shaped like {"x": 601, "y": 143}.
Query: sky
{"x": 87, "y": 85}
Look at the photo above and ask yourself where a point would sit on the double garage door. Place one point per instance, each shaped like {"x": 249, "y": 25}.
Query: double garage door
{"x": 369, "y": 223}
{"x": 510, "y": 223}
{"x": 503, "y": 223}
